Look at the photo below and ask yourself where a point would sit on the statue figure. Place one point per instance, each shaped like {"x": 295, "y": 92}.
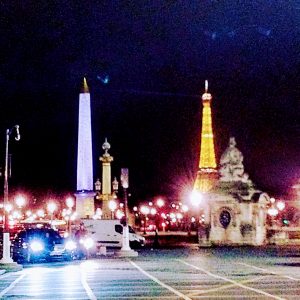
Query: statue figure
{"x": 231, "y": 163}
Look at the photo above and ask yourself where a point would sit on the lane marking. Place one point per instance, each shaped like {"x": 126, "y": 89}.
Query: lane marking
{"x": 160, "y": 282}
{"x": 12, "y": 285}
{"x": 224, "y": 287}
{"x": 232, "y": 281}
{"x": 268, "y": 271}
{"x": 84, "y": 283}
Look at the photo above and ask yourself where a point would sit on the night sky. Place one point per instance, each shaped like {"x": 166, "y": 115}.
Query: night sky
{"x": 156, "y": 55}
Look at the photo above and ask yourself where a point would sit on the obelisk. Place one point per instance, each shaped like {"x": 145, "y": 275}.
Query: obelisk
{"x": 85, "y": 194}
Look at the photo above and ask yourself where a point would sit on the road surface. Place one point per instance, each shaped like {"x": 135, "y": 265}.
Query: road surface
{"x": 182, "y": 273}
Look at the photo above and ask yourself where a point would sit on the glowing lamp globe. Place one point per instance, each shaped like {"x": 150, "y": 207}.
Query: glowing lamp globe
{"x": 160, "y": 202}
{"x": 145, "y": 210}
{"x": 20, "y": 201}
{"x": 112, "y": 205}
{"x": 70, "y": 202}
{"x": 281, "y": 205}
{"x": 196, "y": 198}
{"x": 51, "y": 207}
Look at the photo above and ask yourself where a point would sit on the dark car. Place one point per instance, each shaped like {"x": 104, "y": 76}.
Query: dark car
{"x": 36, "y": 244}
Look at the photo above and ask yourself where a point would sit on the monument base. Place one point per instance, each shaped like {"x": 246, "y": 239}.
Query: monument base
{"x": 85, "y": 204}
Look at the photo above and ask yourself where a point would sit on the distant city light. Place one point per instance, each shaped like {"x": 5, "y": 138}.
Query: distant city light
{"x": 281, "y": 205}
{"x": 153, "y": 211}
{"x": 8, "y": 207}
{"x": 172, "y": 215}
{"x": 51, "y": 207}
{"x": 20, "y": 201}
{"x": 119, "y": 214}
{"x": 160, "y": 202}
{"x": 70, "y": 202}
{"x": 185, "y": 208}
{"x": 179, "y": 216}
{"x": 112, "y": 205}
{"x": 273, "y": 212}
{"x": 145, "y": 210}
{"x": 40, "y": 213}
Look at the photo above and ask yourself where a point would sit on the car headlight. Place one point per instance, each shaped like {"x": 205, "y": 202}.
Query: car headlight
{"x": 36, "y": 246}
{"x": 70, "y": 245}
{"x": 88, "y": 243}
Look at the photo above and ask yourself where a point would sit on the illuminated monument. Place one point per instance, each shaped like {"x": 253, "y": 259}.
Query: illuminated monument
{"x": 234, "y": 211}
{"x": 85, "y": 194}
{"x": 107, "y": 193}
{"x": 207, "y": 173}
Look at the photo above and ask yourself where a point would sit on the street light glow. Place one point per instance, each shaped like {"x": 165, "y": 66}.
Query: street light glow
{"x": 8, "y": 207}
{"x": 153, "y": 211}
{"x": 160, "y": 202}
{"x": 185, "y": 208}
{"x": 70, "y": 202}
{"x": 281, "y": 205}
{"x": 40, "y": 213}
{"x": 196, "y": 198}
{"x": 112, "y": 205}
{"x": 273, "y": 211}
{"x": 20, "y": 201}
{"x": 145, "y": 210}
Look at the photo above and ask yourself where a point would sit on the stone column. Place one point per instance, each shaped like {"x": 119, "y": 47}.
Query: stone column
{"x": 106, "y": 159}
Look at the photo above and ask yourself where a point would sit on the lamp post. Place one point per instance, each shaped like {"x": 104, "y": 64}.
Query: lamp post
{"x": 51, "y": 207}
{"x": 112, "y": 206}
{"x": 126, "y": 250}
{"x": 125, "y": 184}
{"x": 6, "y": 259}
{"x": 145, "y": 211}
{"x": 70, "y": 204}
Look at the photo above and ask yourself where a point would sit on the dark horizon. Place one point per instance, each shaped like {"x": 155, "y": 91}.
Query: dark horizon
{"x": 144, "y": 64}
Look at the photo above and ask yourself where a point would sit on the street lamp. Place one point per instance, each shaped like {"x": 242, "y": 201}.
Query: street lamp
{"x": 160, "y": 202}
{"x": 145, "y": 211}
{"x": 115, "y": 185}
{"x": 70, "y": 204}
{"x": 51, "y": 207}
{"x": 6, "y": 259}
{"x": 112, "y": 206}
{"x": 20, "y": 201}
{"x": 125, "y": 185}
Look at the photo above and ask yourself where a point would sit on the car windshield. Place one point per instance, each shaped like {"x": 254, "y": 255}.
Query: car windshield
{"x": 49, "y": 234}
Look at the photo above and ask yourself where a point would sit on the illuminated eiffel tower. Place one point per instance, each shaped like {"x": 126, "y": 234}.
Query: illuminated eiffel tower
{"x": 207, "y": 174}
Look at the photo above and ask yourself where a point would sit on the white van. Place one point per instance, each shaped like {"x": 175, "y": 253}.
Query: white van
{"x": 109, "y": 233}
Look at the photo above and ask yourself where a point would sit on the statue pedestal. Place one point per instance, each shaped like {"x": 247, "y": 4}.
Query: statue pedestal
{"x": 127, "y": 253}
{"x": 85, "y": 204}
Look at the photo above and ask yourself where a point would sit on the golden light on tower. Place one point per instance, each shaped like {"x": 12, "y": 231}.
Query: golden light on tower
{"x": 207, "y": 152}
{"x": 207, "y": 173}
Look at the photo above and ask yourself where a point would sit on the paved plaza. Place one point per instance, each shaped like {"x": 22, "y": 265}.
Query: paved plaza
{"x": 179, "y": 273}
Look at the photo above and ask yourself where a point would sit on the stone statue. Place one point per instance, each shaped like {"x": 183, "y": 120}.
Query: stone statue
{"x": 231, "y": 164}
